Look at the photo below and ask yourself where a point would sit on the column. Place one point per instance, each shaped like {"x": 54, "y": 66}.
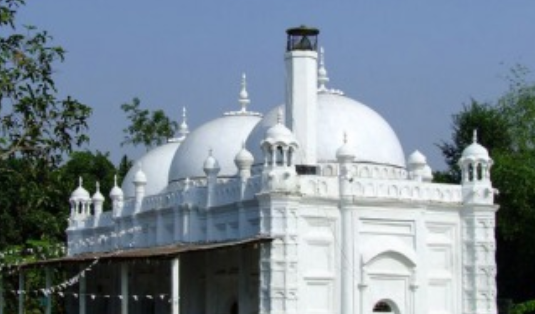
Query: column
{"x": 1, "y": 294}
{"x": 346, "y": 259}
{"x": 48, "y": 283}
{"x": 175, "y": 285}
{"x": 81, "y": 294}
{"x": 21, "y": 292}
{"x": 124, "y": 288}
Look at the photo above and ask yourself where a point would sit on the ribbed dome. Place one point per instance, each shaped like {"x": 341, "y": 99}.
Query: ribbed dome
{"x": 371, "y": 136}
{"x": 223, "y": 136}
{"x": 155, "y": 166}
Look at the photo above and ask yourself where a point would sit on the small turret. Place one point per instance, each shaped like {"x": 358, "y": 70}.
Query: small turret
{"x": 475, "y": 164}
{"x": 211, "y": 169}
{"x": 345, "y": 156}
{"x": 418, "y": 168}
{"x": 98, "y": 201}
{"x": 279, "y": 145}
{"x": 80, "y": 201}
{"x": 116, "y": 196}
{"x": 244, "y": 161}
{"x": 140, "y": 181}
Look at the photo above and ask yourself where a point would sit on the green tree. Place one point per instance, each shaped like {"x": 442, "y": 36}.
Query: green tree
{"x": 35, "y": 122}
{"x": 507, "y": 129}
{"x": 93, "y": 168}
{"x": 124, "y": 166}
{"x": 38, "y": 129}
{"x": 149, "y": 128}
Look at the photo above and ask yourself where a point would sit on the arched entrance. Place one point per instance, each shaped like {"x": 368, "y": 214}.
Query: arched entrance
{"x": 385, "y": 306}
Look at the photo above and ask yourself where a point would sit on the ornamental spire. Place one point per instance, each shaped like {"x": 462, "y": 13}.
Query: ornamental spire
{"x": 474, "y": 136}
{"x": 183, "y": 128}
{"x": 322, "y": 72}
{"x": 244, "y": 96}
{"x": 244, "y": 101}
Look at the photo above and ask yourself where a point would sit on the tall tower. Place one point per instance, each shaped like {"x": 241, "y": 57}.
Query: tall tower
{"x": 301, "y": 91}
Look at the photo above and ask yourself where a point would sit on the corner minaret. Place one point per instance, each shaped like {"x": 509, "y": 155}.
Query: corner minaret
{"x": 301, "y": 90}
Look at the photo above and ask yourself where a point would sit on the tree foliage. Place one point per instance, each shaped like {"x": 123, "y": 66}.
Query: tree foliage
{"x": 148, "y": 128}
{"x": 507, "y": 129}
{"x": 35, "y": 123}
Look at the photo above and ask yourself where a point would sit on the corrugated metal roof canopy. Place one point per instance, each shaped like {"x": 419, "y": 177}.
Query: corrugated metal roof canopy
{"x": 160, "y": 252}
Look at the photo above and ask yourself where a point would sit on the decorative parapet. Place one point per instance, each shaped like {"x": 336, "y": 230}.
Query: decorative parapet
{"x": 388, "y": 190}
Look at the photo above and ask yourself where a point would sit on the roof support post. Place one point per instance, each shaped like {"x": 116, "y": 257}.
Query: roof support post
{"x": 48, "y": 296}
{"x": 21, "y": 292}
{"x": 124, "y": 288}
{"x": 82, "y": 287}
{"x": 175, "y": 285}
{"x": 1, "y": 294}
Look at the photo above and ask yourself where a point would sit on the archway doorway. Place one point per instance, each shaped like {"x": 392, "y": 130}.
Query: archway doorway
{"x": 385, "y": 306}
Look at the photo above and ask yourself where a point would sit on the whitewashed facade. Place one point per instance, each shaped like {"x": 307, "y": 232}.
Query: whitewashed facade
{"x": 348, "y": 226}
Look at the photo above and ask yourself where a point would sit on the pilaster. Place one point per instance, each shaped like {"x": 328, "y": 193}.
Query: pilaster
{"x": 279, "y": 265}
{"x": 479, "y": 265}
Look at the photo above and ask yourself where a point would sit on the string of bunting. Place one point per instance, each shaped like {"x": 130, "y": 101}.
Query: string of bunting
{"x": 92, "y": 296}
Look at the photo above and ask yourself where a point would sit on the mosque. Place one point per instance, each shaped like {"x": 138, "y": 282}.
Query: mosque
{"x": 308, "y": 208}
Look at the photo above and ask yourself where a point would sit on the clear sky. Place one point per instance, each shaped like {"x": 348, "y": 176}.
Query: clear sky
{"x": 414, "y": 62}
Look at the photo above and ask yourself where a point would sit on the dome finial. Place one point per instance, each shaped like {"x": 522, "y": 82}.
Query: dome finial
{"x": 80, "y": 181}
{"x": 279, "y": 116}
{"x": 98, "y": 186}
{"x": 244, "y": 95}
{"x": 322, "y": 72}
{"x": 345, "y": 137}
{"x": 115, "y": 180}
{"x": 474, "y": 136}
{"x": 183, "y": 129}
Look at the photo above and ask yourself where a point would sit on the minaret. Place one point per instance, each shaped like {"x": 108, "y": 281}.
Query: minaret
{"x": 301, "y": 90}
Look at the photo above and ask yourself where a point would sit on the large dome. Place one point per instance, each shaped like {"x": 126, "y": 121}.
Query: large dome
{"x": 373, "y": 139}
{"x": 155, "y": 164}
{"x": 223, "y": 136}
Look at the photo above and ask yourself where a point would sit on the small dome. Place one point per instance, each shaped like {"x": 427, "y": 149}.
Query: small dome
{"x": 345, "y": 152}
{"x": 244, "y": 159}
{"x": 279, "y": 133}
{"x": 211, "y": 165}
{"x": 156, "y": 164}
{"x": 427, "y": 174}
{"x": 475, "y": 150}
{"x": 371, "y": 136}
{"x": 140, "y": 177}
{"x": 417, "y": 158}
{"x": 223, "y": 135}
{"x": 116, "y": 192}
{"x": 98, "y": 197}
{"x": 80, "y": 194}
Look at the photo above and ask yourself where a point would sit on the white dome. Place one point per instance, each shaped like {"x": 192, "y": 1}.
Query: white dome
{"x": 155, "y": 165}
{"x": 371, "y": 136}
{"x": 476, "y": 151}
{"x": 224, "y": 136}
{"x": 345, "y": 152}
{"x": 80, "y": 194}
{"x": 244, "y": 159}
{"x": 417, "y": 158}
{"x": 211, "y": 165}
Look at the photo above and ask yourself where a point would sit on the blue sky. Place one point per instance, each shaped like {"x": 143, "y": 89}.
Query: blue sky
{"x": 414, "y": 62}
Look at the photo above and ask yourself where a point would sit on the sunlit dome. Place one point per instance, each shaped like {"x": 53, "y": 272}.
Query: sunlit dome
{"x": 155, "y": 165}
{"x": 223, "y": 137}
{"x": 373, "y": 139}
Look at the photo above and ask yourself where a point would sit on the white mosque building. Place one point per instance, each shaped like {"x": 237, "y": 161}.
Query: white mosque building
{"x": 310, "y": 208}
